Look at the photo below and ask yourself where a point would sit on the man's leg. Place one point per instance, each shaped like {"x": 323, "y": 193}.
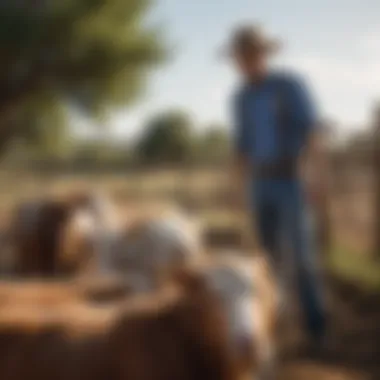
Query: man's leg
{"x": 266, "y": 217}
{"x": 299, "y": 230}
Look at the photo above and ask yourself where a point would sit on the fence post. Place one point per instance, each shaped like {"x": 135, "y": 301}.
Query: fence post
{"x": 322, "y": 211}
{"x": 376, "y": 171}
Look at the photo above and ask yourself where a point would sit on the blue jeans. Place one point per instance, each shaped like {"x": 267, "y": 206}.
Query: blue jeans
{"x": 283, "y": 221}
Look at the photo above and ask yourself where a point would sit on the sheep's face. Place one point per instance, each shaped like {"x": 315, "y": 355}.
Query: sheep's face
{"x": 242, "y": 295}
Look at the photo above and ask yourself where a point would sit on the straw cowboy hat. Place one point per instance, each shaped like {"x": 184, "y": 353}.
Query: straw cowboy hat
{"x": 251, "y": 39}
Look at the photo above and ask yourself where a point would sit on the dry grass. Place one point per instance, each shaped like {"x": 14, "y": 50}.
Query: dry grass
{"x": 350, "y": 213}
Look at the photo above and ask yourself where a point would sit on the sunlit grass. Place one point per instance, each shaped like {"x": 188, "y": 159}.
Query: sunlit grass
{"x": 355, "y": 266}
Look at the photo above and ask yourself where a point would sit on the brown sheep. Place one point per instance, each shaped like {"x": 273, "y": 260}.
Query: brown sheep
{"x": 249, "y": 298}
{"x": 43, "y": 235}
{"x": 178, "y": 333}
{"x": 152, "y": 246}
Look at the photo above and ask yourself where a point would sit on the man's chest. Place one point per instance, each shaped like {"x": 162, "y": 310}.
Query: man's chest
{"x": 262, "y": 109}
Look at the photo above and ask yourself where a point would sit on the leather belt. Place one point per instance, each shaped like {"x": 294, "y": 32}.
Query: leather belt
{"x": 279, "y": 169}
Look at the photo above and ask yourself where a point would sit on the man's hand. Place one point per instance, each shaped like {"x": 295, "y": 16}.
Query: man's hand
{"x": 317, "y": 172}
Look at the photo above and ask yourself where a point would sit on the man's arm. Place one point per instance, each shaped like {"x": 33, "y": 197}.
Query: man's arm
{"x": 314, "y": 160}
{"x": 312, "y": 140}
{"x": 318, "y": 186}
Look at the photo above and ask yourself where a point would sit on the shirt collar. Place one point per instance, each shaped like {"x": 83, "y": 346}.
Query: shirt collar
{"x": 261, "y": 83}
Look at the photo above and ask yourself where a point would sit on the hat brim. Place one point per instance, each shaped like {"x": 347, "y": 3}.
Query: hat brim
{"x": 269, "y": 47}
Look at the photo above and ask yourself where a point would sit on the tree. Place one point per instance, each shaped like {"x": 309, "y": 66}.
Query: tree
{"x": 214, "y": 145}
{"x": 168, "y": 139}
{"x": 94, "y": 54}
{"x": 376, "y": 163}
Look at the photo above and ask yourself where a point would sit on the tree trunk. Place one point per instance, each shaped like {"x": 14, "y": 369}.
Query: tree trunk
{"x": 7, "y": 133}
{"x": 376, "y": 171}
{"x": 324, "y": 227}
{"x": 10, "y": 98}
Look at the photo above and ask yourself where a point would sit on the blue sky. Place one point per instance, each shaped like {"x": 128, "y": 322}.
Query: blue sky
{"x": 334, "y": 43}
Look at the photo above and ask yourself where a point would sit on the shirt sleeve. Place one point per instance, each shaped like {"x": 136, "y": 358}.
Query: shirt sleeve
{"x": 303, "y": 108}
{"x": 240, "y": 131}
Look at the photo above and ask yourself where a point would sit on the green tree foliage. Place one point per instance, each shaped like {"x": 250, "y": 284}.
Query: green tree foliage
{"x": 376, "y": 189}
{"x": 214, "y": 145}
{"x": 94, "y": 54}
{"x": 99, "y": 152}
{"x": 42, "y": 127}
{"x": 167, "y": 139}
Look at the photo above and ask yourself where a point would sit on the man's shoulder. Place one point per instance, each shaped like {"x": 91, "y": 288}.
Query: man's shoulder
{"x": 240, "y": 92}
{"x": 287, "y": 78}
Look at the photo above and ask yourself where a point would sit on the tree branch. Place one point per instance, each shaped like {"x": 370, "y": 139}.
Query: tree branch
{"x": 11, "y": 96}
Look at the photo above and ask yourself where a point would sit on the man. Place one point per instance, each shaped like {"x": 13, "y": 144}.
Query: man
{"x": 276, "y": 130}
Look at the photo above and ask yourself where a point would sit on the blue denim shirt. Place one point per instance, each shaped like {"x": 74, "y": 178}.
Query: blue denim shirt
{"x": 274, "y": 118}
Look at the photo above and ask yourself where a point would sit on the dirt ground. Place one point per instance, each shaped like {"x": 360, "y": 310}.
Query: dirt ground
{"x": 354, "y": 349}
